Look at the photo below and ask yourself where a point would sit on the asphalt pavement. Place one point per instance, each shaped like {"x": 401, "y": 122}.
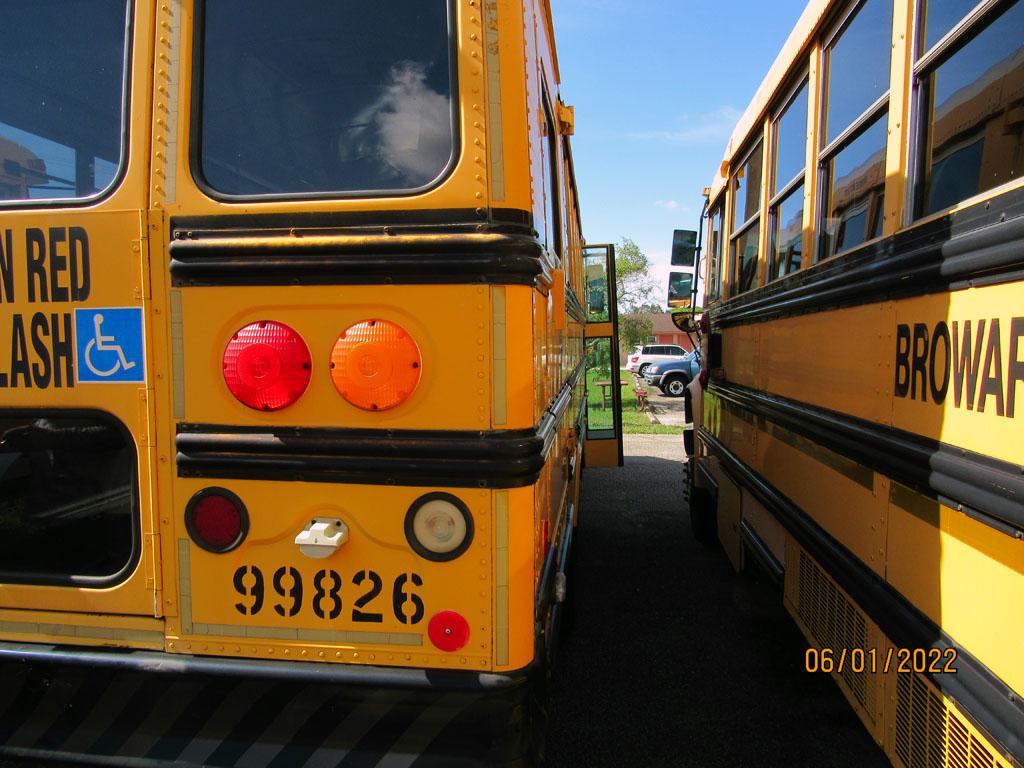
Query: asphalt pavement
{"x": 674, "y": 659}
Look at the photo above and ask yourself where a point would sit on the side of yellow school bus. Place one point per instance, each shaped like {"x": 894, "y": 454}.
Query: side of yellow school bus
{"x": 295, "y": 386}
{"x": 860, "y": 433}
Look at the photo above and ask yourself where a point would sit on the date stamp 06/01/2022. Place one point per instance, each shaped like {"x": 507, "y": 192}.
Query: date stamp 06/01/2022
{"x": 872, "y": 660}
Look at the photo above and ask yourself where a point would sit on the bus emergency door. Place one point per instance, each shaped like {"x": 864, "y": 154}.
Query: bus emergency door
{"x": 603, "y": 439}
{"x": 76, "y": 372}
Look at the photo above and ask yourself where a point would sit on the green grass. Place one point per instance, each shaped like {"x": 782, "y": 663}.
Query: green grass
{"x": 633, "y": 422}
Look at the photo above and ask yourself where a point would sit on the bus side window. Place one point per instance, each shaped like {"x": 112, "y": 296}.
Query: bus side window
{"x": 786, "y": 207}
{"x": 714, "y": 286}
{"x": 852, "y": 160}
{"x": 972, "y": 131}
{"x": 746, "y": 218}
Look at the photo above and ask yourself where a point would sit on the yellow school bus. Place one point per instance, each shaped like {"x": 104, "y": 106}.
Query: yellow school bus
{"x": 860, "y": 425}
{"x": 292, "y": 399}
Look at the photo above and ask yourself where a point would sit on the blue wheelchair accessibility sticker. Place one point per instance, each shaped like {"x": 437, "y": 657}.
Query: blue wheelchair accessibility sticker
{"x": 108, "y": 344}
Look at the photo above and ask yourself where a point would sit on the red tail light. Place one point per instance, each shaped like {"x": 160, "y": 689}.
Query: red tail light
{"x": 216, "y": 520}
{"x": 267, "y": 365}
{"x": 448, "y": 631}
{"x": 634, "y": 358}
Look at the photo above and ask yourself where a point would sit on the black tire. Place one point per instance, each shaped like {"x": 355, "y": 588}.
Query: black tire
{"x": 675, "y": 386}
{"x": 703, "y": 516}
{"x": 643, "y": 369}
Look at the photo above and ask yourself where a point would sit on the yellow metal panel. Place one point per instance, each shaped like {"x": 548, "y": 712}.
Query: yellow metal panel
{"x": 730, "y": 512}
{"x": 898, "y": 143}
{"x": 171, "y": 18}
{"x": 979, "y": 420}
{"x": 522, "y": 581}
{"x": 835, "y": 360}
{"x": 496, "y": 132}
{"x": 311, "y": 624}
{"x": 499, "y": 356}
{"x": 739, "y": 354}
{"x": 851, "y": 360}
{"x": 765, "y": 193}
{"x": 118, "y": 267}
{"x": 502, "y": 627}
{"x": 811, "y": 176}
{"x": 601, "y": 453}
{"x": 767, "y": 527}
{"x": 964, "y": 575}
{"x": 521, "y": 373}
{"x": 82, "y": 629}
{"x": 450, "y": 324}
{"x": 838, "y": 494}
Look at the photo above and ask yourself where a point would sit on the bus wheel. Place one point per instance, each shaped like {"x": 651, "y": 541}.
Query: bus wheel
{"x": 703, "y": 520}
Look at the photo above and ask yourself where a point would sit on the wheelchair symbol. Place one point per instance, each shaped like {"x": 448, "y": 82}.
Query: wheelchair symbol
{"x": 103, "y": 343}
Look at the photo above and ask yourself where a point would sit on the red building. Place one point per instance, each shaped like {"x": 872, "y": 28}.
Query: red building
{"x": 665, "y": 332}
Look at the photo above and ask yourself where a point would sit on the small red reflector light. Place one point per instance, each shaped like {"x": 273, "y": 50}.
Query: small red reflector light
{"x": 448, "y": 631}
{"x": 216, "y": 520}
{"x": 267, "y": 365}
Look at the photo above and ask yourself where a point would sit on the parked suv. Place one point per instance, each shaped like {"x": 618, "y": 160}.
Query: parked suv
{"x": 654, "y": 353}
{"x": 673, "y": 377}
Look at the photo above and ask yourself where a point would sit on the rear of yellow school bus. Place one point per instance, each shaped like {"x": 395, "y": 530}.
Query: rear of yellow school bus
{"x": 290, "y": 384}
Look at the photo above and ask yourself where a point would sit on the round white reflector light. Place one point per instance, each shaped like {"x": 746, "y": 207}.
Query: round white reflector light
{"x": 439, "y": 527}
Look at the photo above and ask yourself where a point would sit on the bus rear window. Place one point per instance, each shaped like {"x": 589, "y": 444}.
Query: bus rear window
{"x": 319, "y": 97}
{"x": 67, "y": 499}
{"x": 62, "y": 100}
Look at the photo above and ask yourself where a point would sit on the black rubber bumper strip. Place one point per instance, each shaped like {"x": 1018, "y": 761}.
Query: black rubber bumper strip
{"x": 491, "y": 459}
{"x": 442, "y": 257}
{"x": 988, "y": 700}
{"x": 971, "y": 482}
{"x": 976, "y": 246}
{"x": 158, "y": 663}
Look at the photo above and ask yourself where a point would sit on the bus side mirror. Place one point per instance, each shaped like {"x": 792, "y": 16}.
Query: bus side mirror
{"x": 685, "y": 322}
{"x": 680, "y": 289}
{"x": 684, "y": 248}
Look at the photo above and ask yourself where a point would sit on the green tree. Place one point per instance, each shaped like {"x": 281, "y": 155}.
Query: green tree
{"x": 633, "y": 281}
{"x": 634, "y": 328}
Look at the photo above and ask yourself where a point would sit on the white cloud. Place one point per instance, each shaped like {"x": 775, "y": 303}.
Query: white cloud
{"x": 713, "y": 127}
{"x": 670, "y": 204}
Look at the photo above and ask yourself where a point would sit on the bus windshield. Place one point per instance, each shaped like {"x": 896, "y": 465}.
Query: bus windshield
{"x": 366, "y": 107}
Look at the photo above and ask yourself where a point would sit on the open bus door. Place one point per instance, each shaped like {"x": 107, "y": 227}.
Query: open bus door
{"x": 603, "y": 440}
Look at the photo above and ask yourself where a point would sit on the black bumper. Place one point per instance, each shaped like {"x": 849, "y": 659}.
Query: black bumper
{"x": 106, "y": 707}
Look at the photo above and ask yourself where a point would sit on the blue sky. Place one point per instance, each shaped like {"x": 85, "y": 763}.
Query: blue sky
{"x": 658, "y": 86}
